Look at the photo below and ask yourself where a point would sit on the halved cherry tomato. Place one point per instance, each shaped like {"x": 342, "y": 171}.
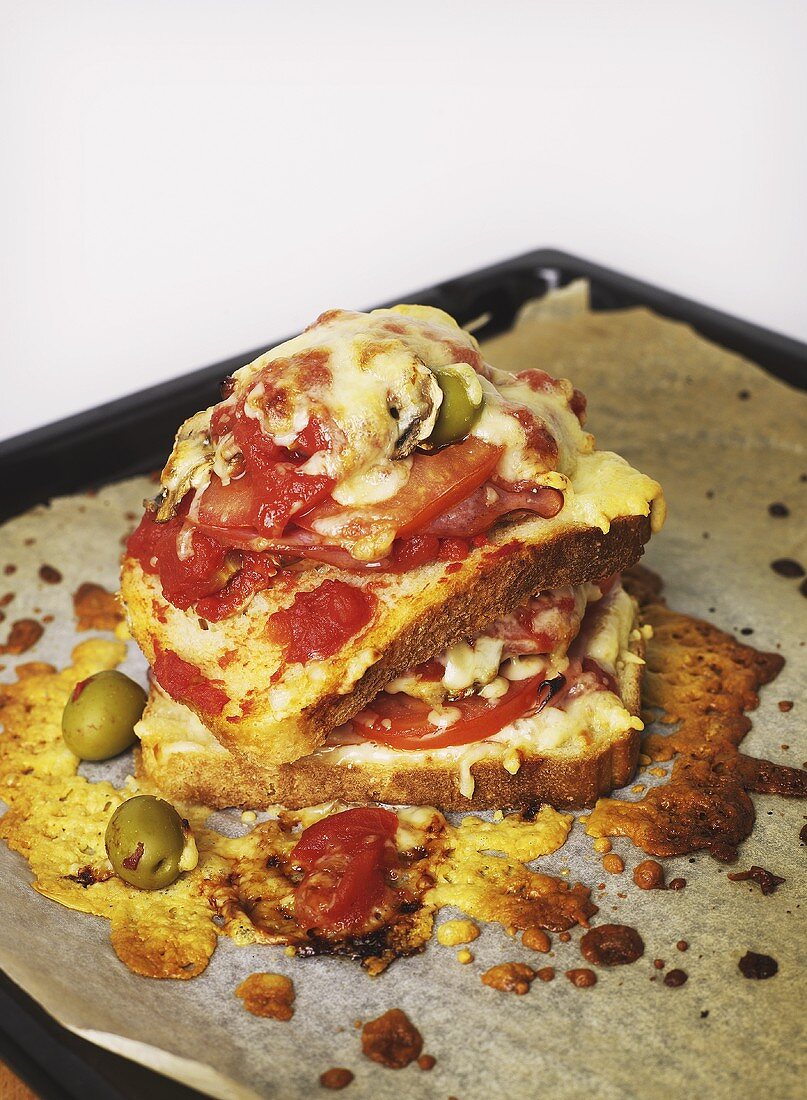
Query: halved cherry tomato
{"x": 346, "y": 858}
{"x": 436, "y": 483}
{"x": 345, "y": 830}
{"x": 401, "y": 721}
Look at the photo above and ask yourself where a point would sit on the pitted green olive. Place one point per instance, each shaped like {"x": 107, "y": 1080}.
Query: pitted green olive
{"x": 463, "y": 400}
{"x": 145, "y": 841}
{"x": 99, "y": 717}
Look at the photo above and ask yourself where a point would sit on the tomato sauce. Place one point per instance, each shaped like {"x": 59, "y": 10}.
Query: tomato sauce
{"x": 186, "y": 684}
{"x": 215, "y": 579}
{"x": 319, "y": 623}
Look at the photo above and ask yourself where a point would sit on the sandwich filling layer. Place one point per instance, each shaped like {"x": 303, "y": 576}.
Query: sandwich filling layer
{"x": 545, "y": 681}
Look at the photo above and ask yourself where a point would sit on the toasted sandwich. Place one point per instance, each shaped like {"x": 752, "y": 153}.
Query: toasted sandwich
{"x": 541, "y": 707}
{"x": 362, "y": 499}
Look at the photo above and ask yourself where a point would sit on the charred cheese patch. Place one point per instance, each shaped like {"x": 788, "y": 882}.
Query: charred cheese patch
{"x": 702, "y": 681}
{"x": 484, "y": 873}
{"x": 269, "y": 995}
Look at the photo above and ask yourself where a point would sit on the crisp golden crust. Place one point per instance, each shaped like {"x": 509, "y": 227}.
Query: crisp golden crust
{"x": 422, "y": 615}
{"x": 566, "y": 783}
{"x": 210, "y": 775}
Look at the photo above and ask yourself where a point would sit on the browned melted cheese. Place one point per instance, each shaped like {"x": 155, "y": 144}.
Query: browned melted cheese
{"x": 703, "y": 681}
{"x": 392, "y": 1040}
{"x": 335, "y": 1078}
{"x": 510, "y": 977}
{"x": 611, "y": 945}
{"x": 268, "y": 995}
{"x": 24, "y": 635}
{"x": 766, "y": 880}
{"x": 95, "y": 608}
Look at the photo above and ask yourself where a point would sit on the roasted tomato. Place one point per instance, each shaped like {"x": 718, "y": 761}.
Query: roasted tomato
{"x": 186, "y": 684}
{"x": 402, "y": 722}
{"x": 346, "y": 859}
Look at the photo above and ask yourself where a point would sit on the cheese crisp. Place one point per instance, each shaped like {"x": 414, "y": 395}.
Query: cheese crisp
{"x": 56, "y": 819}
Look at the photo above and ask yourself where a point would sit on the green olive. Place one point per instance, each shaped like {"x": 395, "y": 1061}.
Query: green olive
{"x": 100, "y": 715}
{"x": 463, "y": 400}
{"x": 145, "y": 841}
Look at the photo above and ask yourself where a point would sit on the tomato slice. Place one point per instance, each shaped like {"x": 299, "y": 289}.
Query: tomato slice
{"x": 258, "y": 504}
{"x": 401, "y": 721}
{"x": 345, "y": 857}
{"x": 230, "y": 505}
{"x": 436, "y": 483}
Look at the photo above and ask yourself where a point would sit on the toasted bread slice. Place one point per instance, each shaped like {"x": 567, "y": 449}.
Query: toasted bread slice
{"x": 567, "y": 759}
{"x": 356, "y": 406}
{"x": 272, "y": 712}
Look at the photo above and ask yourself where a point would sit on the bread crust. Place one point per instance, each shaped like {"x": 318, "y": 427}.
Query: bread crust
{"x": 489, "y": 584}
{"x": 566, "y": 784}
{"x": 217, "y": 779}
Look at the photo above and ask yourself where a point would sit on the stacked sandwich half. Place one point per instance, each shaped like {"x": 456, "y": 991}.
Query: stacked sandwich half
{"x": 381, "y": 570}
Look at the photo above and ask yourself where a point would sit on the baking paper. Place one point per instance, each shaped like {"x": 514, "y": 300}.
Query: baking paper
{"x": 726, "y": 441}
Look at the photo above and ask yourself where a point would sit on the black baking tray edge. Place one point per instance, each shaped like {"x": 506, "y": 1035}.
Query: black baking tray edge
{"x": 134, "y": 434}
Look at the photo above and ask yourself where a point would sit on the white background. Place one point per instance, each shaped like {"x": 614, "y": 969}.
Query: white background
{"x": 185, "y": 180}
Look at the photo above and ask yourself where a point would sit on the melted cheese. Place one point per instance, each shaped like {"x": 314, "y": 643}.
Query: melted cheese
{"x": 373, "y": 377}
{"x": 467, "y": 664}
{"x": 588, "y": 719}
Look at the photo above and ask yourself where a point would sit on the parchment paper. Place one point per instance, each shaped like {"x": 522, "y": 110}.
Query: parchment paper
{"x": 668, "y": 400}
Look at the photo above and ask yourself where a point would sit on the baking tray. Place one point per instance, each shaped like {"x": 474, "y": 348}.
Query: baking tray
{"x": 133, "y": 435}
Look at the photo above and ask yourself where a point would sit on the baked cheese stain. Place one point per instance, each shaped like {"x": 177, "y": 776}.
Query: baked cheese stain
{"x": 57, "y": 820}
{"x": 95, "y": 608}
{"x": 269, "y": 995}
{"x": 244, "y": 887}
{"x": 703, "y": 681}
{"x": 455, "y": 932}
